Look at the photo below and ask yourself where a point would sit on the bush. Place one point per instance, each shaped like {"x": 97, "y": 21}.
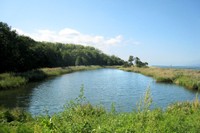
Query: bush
{"x": 164, "y": 80}
{"x": 8, "y": 81}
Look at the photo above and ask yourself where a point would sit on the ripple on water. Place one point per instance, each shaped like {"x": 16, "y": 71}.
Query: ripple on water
{"x": 102, "y": 86}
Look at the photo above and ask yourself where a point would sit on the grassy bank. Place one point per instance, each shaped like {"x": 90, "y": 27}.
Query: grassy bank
{"x": 187, "y": 78}
{"x": 14, "y": 80}
{"x": 82, "y": 117}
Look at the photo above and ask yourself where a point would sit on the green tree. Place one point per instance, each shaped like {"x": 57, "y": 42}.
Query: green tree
{"x": 21, "y": 53}
{"x": 78, "y": 61}
{"x": 139, "y": 63}
{"x": 84, "y": 61}
{"x": 131, "y": 59}
{"x": 146, "y": 64}
{"x": 126, "y": 64}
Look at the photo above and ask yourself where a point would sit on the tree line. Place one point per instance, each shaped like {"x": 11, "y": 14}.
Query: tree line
{"x": 138, "y": 62}
{"x": 20, "y": 53}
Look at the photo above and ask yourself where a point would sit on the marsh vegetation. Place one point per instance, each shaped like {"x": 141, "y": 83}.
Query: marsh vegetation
{"x": 16, "y": 80}
{"x": 80, "y": 116}
{"x": 183, "y": 77}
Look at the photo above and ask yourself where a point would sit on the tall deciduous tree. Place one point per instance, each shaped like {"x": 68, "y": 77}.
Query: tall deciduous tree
{"x": 139, "y": 63}
{"x": 21, "y": 53}
{"x": 131, "y": 59}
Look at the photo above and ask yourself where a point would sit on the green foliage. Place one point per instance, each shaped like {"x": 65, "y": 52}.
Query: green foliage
{"x": 113, "y": 109}
{"x": 81, "y": 116}
{"x": 130, "y": 60}
{"x": 126, "y": 64}
{"x": 14, "y": 80}
{"x": 188, "y": 82}
{"x": 34, "y": 75}
{"x": 16, "y": 114}
{"x": 139, "y": 63}
{"x": 145, "y": 102}
{"x": 20, "y": 53}
{"x": 8, "y": 81}
{"x": 164, "y": 79}
{"x": 78, "y": 61}
{"x": 15, "y": 51}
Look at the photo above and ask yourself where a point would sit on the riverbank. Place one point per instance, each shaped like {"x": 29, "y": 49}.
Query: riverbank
{"x": 184, "y": 77}
{"x": 15, "y": 80}
{"x": 83, "y": 117}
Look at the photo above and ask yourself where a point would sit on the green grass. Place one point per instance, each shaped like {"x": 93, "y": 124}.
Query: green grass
{"x": 187, "y": 78}
{"x": 15, "y": 80}
{"x": 80, "y": 116}
{"x": 8, "y": 80}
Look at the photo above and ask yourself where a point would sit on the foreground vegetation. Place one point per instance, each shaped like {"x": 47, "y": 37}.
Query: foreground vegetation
{"x": 183, "y": 77}
{"x": 14, "y": 80}
{"x": 81, "y": 116}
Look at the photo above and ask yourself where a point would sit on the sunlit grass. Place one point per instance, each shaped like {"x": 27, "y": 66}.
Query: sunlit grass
{"x": 187, "y": 78}
{"x": 14, "y": 80}
{"x": 8, "y": 80}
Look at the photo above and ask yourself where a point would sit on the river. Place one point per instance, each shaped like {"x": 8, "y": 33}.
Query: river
{"x": 101, "y": 86}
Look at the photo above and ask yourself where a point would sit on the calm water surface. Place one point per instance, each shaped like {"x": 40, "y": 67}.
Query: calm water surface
{"x": 102, "y": 86}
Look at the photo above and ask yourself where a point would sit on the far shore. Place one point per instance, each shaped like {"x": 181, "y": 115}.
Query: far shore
{"x": 185, "y": 77}
{"x": 16, "y": 80}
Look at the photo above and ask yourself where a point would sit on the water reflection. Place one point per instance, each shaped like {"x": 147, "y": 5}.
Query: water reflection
{"x": 102, "y": 86}
{"x": 20, "y": 97}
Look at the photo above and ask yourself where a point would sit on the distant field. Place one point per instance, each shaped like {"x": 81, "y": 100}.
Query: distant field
{"x": 180, "y": 67}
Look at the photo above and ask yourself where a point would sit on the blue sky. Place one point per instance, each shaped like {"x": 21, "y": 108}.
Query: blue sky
{"x": 161, "y": 32}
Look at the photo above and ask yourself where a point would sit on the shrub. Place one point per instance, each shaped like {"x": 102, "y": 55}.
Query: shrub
{"x": 164, "y": 80}
{"x": 8, "y": 80}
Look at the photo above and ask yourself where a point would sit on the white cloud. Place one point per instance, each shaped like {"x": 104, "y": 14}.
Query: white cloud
{"x": 19, "y": 31}
{"x": 115, "y": 40}
{"x": 68, "y": 32}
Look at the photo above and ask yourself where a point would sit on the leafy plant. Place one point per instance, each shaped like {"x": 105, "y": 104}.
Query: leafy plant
{"x": 145, "y": 102}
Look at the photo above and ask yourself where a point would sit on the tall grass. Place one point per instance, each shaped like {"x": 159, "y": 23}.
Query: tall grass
{"x": 81, "y": 116}
{"x": 9, "y": 80}
{"x": 186, "y": 78}
{"x": 14, "y": 80}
